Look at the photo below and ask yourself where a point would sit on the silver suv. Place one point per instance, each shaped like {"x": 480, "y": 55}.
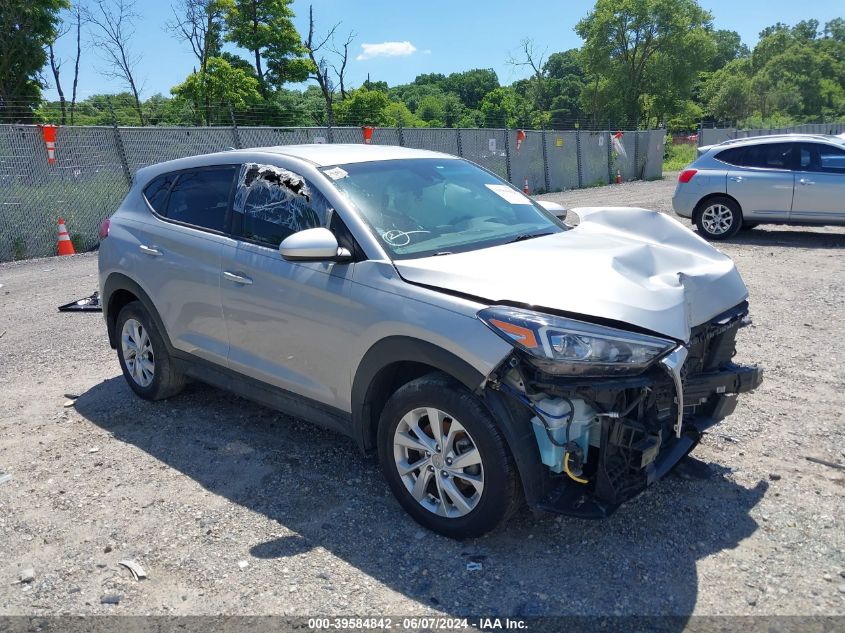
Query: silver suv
{"x": 485, "y": 350}
{"x": 780, "y": 179}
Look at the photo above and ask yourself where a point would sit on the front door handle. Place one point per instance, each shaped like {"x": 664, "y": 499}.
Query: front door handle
{"x": 238, "y": 279}
{"x": 805, "y": 181}
{"x": 149, "y": 250}
{"x": 736, "y": 178}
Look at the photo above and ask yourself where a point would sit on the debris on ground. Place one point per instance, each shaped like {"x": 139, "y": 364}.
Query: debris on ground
{"x": 4, "y": 477}
{"x": 111, "y": 598}
{"x": 94, "y": 449}
{"x": 138, "y": 572}
{"x": 72, "y": 396}
{"x": 69, "y": 403}
{"x": 473, "y": 566}
{"x": 243, "y": 564}
{"x": 86, "y": 304}
{"x": 26, "y": 576}
{"x": 824, "y": 462}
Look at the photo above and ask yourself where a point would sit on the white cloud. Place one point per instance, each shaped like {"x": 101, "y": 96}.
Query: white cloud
{"x": 386, "y": 49}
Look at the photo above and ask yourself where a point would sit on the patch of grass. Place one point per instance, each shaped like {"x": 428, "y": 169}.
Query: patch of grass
{"x": 678, "y": 156}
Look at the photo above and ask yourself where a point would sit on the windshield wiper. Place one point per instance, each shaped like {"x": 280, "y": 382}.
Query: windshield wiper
{"x": 526, "y": 236}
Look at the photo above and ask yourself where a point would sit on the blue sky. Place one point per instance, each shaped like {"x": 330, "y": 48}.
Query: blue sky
{"x": 433, "y": 36}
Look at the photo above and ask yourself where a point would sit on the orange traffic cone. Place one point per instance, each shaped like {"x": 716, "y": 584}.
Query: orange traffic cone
{"x": 525, "y": 187}
{"x": 65, "y": 245}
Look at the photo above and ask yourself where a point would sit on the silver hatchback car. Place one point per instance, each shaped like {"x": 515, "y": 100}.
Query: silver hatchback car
{"x": 780, "y": 179}
{"x": 485, "y": 350}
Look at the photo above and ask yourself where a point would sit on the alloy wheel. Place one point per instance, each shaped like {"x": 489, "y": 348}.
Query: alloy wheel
{"x": 717, "y": 219}
{"x": 439, "y": 462}
{"x": 137, "y": 352}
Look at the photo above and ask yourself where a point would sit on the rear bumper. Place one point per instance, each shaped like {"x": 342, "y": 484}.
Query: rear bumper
{"x": 684, "y": 203}
{"x": 711, "y": 396}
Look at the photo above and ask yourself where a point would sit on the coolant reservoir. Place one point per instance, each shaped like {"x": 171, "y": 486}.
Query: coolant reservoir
{"x": 556, "y": 411}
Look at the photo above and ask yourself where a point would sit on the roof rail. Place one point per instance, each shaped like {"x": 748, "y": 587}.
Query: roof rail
{"x": 731, "y": 141}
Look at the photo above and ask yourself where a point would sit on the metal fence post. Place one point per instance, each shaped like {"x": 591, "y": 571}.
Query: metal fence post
{"x": 400, "y": 133}
{"x": 579, "y": 159}
{"x": 118, "y": 141}
{"x": 545, "y": 162}
{"x": 638, "y": 173}
{"x": 235, "y": 134}
{"x": 508, "y": 155}
{"x": 609, "y": 156}
{"x": 458, "y": 141}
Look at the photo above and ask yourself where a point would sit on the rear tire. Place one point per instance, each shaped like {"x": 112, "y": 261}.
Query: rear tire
{"x": 445, "y": 459}
{"x": 143, "y": 357}
{"x": 718, "y": 218}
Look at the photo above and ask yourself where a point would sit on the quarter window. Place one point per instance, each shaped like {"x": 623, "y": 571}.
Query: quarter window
{"x": 157, "y": 191}
{"x": 201, "y": 197}
{"x": 731, "y": 156}
{"x": 272, "y": 203}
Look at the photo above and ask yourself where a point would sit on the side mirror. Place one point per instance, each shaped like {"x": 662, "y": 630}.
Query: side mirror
{"x": 557, "y": 210}
{"x": 313, "y": 245}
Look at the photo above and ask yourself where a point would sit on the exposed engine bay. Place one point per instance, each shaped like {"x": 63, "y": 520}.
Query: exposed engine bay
{"x": 603, "y": 440}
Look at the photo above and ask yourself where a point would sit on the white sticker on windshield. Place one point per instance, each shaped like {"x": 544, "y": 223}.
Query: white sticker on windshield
{"x": 336, "y": 173}
{"x": 511, "y": 195}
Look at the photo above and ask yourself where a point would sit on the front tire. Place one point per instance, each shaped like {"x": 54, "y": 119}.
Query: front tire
{"x": 143, "y": 357}
{"x": 718, "y": 218}
{"x": 445, "y": 459}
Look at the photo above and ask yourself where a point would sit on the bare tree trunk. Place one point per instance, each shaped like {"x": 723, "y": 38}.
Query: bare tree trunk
{"x": 78, "y": 13}
{"x": 55, "y": 68}
{"x": 321, "y": 71}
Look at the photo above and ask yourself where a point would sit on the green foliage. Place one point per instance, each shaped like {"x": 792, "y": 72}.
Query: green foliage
{"x": 265, "y": 28}
{"x": 362, "y": 107}
{"x": 26, "y": 27}
{"x": 677, "y": 155}
{"x": 219, "y": 84}
{"x": 634, "y": 48}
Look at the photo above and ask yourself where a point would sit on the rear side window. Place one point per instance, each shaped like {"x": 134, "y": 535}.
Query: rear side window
{"x": 768, "y": 155}
{"x": 157, "y": 191}
{"x": 822, "y": 158}
{"x": 201, "y": 197}
{"x": 272, "y": 203}
{"x": 731, "y": 156}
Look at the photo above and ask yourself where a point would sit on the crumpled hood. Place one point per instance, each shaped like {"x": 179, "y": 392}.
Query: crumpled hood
{"x": 622, "y": 263}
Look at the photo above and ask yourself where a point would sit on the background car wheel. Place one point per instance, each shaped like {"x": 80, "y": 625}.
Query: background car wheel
{"x": 445, "y": 458}
{"x": 143, "y": 356}
{"x": 718, "y": 218}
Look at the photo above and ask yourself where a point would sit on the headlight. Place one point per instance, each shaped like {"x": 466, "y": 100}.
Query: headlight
{"x": 564, "y": 346}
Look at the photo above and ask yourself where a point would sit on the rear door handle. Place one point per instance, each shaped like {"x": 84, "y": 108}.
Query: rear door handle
{"x": 238, "y": 279}
{"x": 804, "y": 181}
{"x": 736, "y": 178}
{"x": 149, "y": 250}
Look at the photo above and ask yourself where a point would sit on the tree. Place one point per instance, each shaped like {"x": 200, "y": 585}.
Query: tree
{"x": 78, "y": 12}
{"x": 835, "y": 29}
{"x": 220, "y": 83}
{"x": 471, "y": 86}
{"x": 638, "y": 47}
{"x": 55, "y": 66}
{"x": 503, "y": 107}
{"x": 265, "y": 28}
{"x": 26, "y": 28}
{"x": 114, "y": 27}
{"x": 319, "y": 70}
{"x": 728, "y": 47}
{"x": 533, "y": 59}
{"x": 200, "y": 24}
{"x": 363, "y": 107}
{"x": 726, "y": 93}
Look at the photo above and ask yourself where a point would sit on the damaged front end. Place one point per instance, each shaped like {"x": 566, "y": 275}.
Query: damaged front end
{"x": 610, "y": 411}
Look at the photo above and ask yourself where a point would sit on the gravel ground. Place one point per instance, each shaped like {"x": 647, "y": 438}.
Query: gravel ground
{"x": 232, "y": 508}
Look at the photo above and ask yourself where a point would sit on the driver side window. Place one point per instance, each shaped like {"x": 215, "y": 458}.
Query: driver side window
{"x": 272, "y": 202}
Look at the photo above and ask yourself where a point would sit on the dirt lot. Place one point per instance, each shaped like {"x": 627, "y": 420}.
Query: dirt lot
{"x": 233, "y": 508}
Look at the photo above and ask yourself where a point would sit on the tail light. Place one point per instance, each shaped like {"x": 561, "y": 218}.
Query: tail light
{"x": 103, "y": 232}
{"x": 686, "y": 175}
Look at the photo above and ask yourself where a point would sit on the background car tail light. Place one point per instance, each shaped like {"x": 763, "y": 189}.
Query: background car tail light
{"x": 103, "y": 232}
{"x": 686, "y": 175}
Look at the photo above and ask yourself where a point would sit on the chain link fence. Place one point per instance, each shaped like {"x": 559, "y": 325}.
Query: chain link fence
{"x": 712, "y": 136}
{"x": 94, "y": 166}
